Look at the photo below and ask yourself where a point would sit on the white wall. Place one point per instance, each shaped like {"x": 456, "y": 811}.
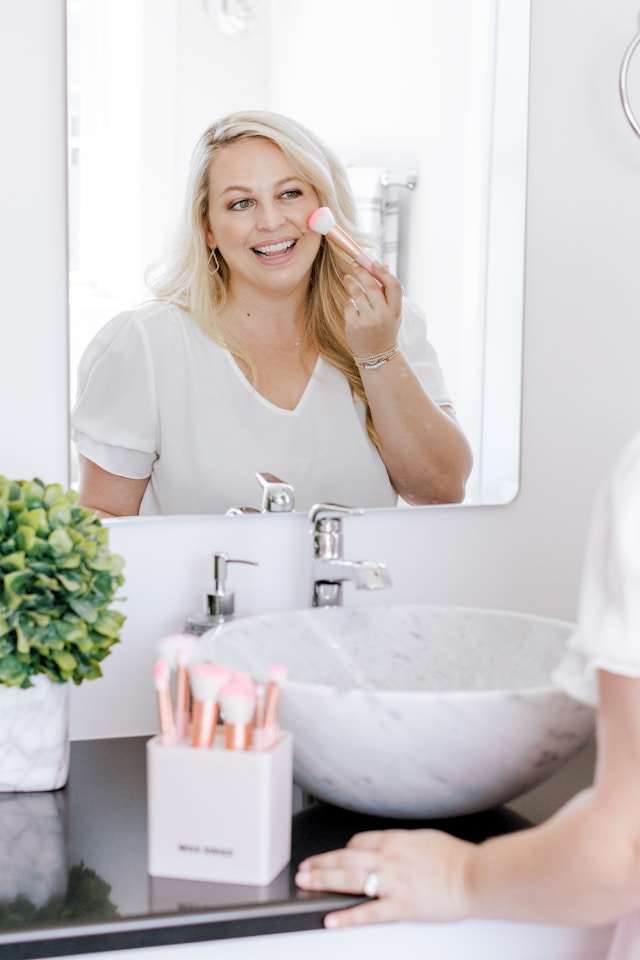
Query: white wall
{"x": 33, "y": 278}
{"x": 582, "y": 336}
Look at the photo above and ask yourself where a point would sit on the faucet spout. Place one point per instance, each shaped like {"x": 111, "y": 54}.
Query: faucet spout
{"x": 330, "y": 567}
{"x": 364, "y": 574}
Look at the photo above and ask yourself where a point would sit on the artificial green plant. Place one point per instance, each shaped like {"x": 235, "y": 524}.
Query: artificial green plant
{"x": 57, "y": 581}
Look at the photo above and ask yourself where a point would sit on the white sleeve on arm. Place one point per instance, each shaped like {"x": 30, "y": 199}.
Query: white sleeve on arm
{"x": 113, "y": 421}
{"x": 420, "y": 354}
{"x": 608, "y": 633}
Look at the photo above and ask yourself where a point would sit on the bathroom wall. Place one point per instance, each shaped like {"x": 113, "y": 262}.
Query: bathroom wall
{"x": 582, "y": 336}
{"x": 33, "y": 356}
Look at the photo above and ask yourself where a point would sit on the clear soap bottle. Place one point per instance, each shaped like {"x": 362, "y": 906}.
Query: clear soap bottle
{"x": 220, "y": 602}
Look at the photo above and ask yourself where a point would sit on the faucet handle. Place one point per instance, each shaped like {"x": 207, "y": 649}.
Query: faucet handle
{"x": 326, "y": 527}
{"x": 330, "y": 511}
{"x": 277, "y": 496}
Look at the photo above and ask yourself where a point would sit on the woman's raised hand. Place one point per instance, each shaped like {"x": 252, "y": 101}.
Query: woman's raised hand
{"x": 373, "y": 311}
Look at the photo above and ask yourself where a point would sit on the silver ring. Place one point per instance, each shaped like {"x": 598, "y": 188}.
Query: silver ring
{"x": 370, "y": 888}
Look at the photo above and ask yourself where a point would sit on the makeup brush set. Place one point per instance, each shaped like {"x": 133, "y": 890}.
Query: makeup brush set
{"x": 219, "y": 773}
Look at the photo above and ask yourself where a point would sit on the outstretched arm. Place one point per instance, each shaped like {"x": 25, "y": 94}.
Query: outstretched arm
{"x": 581, "y": 866}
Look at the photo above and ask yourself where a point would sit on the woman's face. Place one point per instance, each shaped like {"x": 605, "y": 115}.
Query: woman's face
{"x": 259, "y": 209}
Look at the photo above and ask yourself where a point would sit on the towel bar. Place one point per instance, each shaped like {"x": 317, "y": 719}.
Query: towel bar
{"x": 624, "y": 70}
{"x": 410, "y": 181}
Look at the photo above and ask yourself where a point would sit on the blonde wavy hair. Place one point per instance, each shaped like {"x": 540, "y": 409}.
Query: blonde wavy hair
{"x": 185, "y": 279}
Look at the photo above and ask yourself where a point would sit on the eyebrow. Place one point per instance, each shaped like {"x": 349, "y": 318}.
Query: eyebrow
{"x": 279, "y": 183}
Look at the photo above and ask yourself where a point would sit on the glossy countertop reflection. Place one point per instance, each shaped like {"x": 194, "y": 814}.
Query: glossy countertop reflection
{"x": 73, "y": 862}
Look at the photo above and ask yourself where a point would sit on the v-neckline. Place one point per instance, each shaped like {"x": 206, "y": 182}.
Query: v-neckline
{"x": 264, "y": 400}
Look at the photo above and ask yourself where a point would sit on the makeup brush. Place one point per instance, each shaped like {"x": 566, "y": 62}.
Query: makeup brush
{"x": 207, "y": 679}
{"x": 162, "y": 675}
{"x": 238, "y": 704}
{"x": 170, "y": 646}
{"x": 183, "y": 695}
{"x": 276, "y": 676}
{"x": 322, "y": 221}
{"x": 180, "y": 650}
{"x": 259, "y": 734}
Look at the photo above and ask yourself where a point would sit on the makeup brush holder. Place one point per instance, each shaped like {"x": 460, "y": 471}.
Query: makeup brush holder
{"x": 219, "y": 815}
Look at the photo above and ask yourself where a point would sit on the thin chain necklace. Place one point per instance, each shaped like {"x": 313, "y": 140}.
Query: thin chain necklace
{"x": 261, "y": 343}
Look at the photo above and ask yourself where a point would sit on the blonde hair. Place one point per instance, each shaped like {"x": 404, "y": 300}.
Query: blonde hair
{"x": 187, "y": 281}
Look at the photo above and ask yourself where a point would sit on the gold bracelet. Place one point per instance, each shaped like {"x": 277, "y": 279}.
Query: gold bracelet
{"x": 377, "y": 360}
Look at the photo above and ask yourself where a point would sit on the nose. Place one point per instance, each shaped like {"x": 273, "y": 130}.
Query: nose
{"x": 269, "y": 216}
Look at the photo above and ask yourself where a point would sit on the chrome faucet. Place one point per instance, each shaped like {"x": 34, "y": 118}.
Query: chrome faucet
{"x": 277, "y": 497}
{"x": 330, "y": 569}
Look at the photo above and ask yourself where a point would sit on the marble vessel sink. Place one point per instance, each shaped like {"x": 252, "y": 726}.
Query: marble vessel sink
{"x": 415, "y": 711}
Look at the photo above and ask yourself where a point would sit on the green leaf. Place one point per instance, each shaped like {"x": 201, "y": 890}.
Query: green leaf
{"x": 84, "y": 608}
{"x": 59, "y": 514}
{"x": 60, "y": 542}
{"x": 109, "y": 623}
{"x": 71, "y": 631}
{"x": 69, "y": 582}
{"x": 13, "y": 561}
{"x": 36, "y": 518}
{"x": 54, "y": 492}
{"x": 70, "y": 562}
{"x": 33, "y": 492}
{"x": 13, "y": 672}
{"x": 16, "y": 587}
{"x": 26, "y": 537}
{"x": 66, "y": 662}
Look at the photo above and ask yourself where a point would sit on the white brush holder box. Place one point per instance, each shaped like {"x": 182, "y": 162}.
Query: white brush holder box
{"x": 219, "y": 815}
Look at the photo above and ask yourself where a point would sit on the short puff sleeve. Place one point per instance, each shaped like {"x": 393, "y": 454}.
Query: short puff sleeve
{"x": 420, "y": 354}
{"x": 608, "y": 633}
{"x": 113, "y": 421}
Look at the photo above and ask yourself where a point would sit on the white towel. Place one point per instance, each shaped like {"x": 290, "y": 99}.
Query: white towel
{"x": 379, "y": 210}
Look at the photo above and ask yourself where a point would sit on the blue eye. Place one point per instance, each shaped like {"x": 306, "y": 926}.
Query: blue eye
{"x": 240, "y": 204}
{"x": 292, "y": 193}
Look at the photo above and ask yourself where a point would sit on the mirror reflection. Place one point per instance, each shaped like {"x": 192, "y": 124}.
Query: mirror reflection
{"x": 439, "y": 191}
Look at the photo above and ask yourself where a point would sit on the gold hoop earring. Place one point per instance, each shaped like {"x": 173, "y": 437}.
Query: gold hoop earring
{"x": 213, "y": 254}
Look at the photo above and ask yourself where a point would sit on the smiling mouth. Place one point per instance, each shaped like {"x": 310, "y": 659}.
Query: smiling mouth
{"x": 274, "y": 249}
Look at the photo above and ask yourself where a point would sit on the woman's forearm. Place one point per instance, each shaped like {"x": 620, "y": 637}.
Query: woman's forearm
{"x": 578, "y": 867}
{"x": 426, "y": 454}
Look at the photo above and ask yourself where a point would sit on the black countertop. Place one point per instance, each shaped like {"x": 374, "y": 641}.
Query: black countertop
{"x": 73, "y": 873}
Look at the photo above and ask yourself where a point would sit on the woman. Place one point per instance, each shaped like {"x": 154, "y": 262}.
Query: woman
{"x": 583, "y": 865}
{"x": 260, "y": 353}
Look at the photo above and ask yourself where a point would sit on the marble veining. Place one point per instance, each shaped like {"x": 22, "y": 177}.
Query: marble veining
{"x": 34, "y": 736}
{"x": 415, "y": 710}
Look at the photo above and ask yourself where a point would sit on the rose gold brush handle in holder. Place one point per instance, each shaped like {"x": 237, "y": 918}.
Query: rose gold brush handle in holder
{"x": 219, "y": 815}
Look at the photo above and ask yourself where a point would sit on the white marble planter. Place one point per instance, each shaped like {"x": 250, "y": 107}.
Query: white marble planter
{"x": 34, "y": 736}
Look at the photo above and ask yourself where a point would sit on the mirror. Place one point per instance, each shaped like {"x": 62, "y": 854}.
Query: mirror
{"x": 442, "y": 102}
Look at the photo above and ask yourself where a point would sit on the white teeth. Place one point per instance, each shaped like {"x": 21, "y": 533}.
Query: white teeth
{"x": 275, "y": 247}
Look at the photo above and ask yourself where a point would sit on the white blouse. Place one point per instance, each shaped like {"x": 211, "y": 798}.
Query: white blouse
{"x": 158, "y": 398}
{"x": 608, "y": 632}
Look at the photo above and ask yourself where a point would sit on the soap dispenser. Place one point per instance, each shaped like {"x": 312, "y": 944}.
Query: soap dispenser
{"x": 220, "y": 601}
